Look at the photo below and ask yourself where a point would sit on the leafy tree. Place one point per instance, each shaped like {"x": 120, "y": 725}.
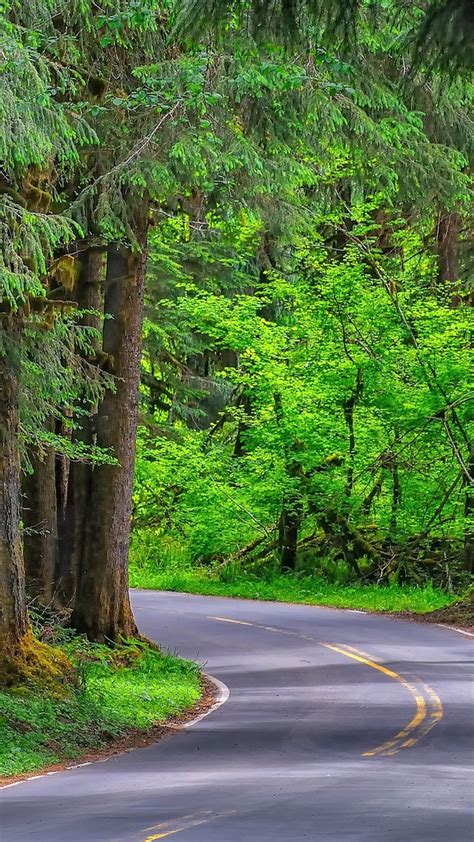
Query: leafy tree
{"x": 356, "y": 221}
{"x": 295, "y": 222}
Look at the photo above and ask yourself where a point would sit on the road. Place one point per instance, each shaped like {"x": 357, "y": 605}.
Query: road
{"x": 340, "y": 726}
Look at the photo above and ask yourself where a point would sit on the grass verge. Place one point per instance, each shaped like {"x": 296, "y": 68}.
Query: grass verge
{"x": 310, "y": 590}
{"x": 129, "y": 687}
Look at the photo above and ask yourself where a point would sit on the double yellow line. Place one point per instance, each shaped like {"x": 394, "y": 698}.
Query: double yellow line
{"x": 173, "y": 826}
{"x": 429, "y": 708}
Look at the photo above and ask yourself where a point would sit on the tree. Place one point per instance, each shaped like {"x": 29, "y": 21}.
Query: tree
{"x": 441, "y": 36}
{"x": 13, "y": 617}
{"x": 101, "y": 607}
{"x": 269, "y": 204}
{"x": 366, "y": 213}
{"x": 40, "y": 343}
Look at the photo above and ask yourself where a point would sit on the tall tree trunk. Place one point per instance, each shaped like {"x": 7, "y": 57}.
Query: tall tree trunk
{"x": 72, "y": 515}
{"x": 291, "y": 513}
{"x": 349, "y": 407}
{"x": 447, "y": 246}
{"x": 288, "y": 537}
{"x": 102, "y": 607}
{"x": 13, "y": 614}
{"x": 469, "y": 515}
{"x": 40, "y": 534}
{"x": 242, "y": 425}
{"x": 396, "y": 498}
{"x": 73, "y": 481}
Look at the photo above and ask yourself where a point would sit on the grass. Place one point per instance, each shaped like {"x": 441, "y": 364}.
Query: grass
{"x": 310, "y": 590}
{"x": 131, "y": 686}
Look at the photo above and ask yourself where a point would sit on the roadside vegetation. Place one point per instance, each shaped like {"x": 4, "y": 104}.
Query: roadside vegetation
{"x": 256, "y": 218}
{"x": 107, "y": 694}
{"x": 304, "y": 589}
{"x": 233, "y": 580}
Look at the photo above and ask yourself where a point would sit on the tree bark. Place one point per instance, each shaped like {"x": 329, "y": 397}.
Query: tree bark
{"x": 40, "y": 535}
{"x": 102, "y": 607}
{"x": 242, "y": 426}
{"x": 447, "y": 242}
{"x": 447, "y": 245}
{"x": 349, "y": 406}
{"x": 73, "y": 481}
{"x": 396, "y": 498}
{"x": 13, "y": 613}
{"x": 469, "y": 514}
{"x": 288, "y": 537}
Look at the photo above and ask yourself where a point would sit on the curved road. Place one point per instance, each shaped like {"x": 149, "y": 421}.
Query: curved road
{"x": 340, "y": 726}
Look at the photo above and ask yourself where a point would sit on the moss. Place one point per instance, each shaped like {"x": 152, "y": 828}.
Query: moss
{"x": 37, "y": 664}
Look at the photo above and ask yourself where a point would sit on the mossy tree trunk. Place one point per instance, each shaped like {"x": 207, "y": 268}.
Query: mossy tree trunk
{"x": 102, "y": 607}
{"x": 13, "y": 612}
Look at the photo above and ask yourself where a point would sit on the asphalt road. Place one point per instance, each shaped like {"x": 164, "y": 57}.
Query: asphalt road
{"x": 340, "y": 726}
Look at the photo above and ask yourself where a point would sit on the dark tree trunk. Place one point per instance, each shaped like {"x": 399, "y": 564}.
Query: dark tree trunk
{"x": 469, "y": 514}
{"x": 349, "y": 406}
{"x": 73, "y": 480}
{"x": 288, "y": 538}
{"x": 102, "y": 607}
{"x": 447, "y": 246}
{"x": 13, "y": 614}
{"x": 290, "y": 517}
{"x": 242, "y": 426}
{"x": 72, "y": 524}
{"x": 396, "y": 498}
{"x": 40, "y": 527}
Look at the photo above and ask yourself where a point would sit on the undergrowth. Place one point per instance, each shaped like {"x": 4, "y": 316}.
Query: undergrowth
{"x": 308, "y": 589}
{"x": 129, "y": 686}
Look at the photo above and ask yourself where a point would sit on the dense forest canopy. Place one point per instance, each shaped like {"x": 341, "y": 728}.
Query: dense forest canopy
{"x": 274, "y": 234}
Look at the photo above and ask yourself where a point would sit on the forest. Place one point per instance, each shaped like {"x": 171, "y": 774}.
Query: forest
{"x": 235, "y": 309}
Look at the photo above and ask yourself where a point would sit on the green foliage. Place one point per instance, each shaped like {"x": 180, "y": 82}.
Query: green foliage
{"x": 308, "y": 590}
{"x": 305, "y": 357}
{"x": 436, "y": 35}
{"x": 307, "y": 331}
{"x": 314, "y": 327}
{"x": 131, "y": 686}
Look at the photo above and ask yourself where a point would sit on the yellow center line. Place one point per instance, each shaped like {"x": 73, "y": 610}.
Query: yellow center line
{"x": 166, "y": 833}
{"x": 163, "y": 835}
{"x": 435, "y": 714}
{"x": 404, "y": 738}
{"x": 359, "y": 652}
{"x": 186, "y": 818}
{"x": 393, "y": 745}
{"x": 227, "y": 620}
{"x": 186, "y": 825}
